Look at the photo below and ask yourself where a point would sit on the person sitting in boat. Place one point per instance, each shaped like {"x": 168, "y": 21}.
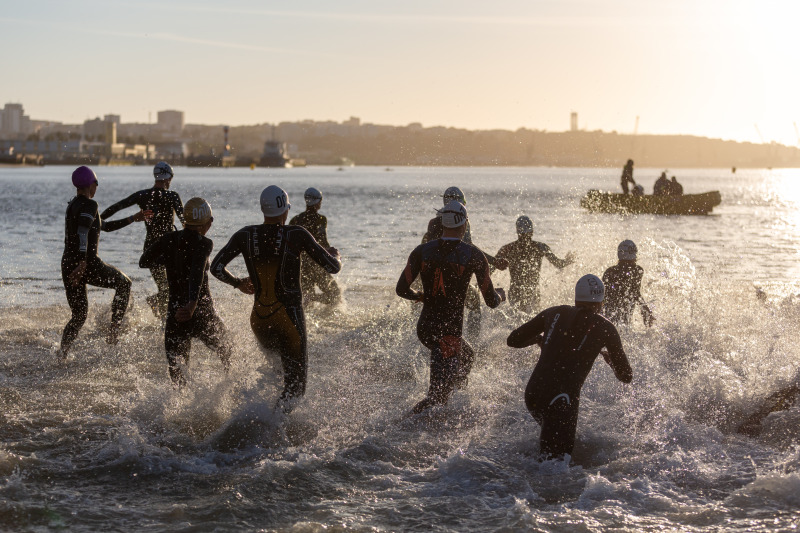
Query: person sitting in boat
{"x": 675, "y": 188}
{"x": 638, "y": 190}
{"x": 627, "y": 176}
{"x": 662, "y": 185}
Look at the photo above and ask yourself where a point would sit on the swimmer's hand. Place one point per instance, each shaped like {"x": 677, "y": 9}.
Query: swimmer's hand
{"x": 500, "y": 263}
{"x": 502, "y": 294}
{"x": 185, "y": 313}
{"x": 246, "y": 286}
{"x": 334, "y": 252}
{"x": 569, "y": 258}
{"x": 143, "y": 215}
{"x": 76, "y": 275}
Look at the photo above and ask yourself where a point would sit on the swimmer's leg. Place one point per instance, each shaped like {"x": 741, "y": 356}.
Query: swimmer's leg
{"x": 211, "y": 330}
{"x": 177, "y": 343}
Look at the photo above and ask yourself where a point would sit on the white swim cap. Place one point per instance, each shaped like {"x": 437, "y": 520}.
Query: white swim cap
{"x": 524, "y": 225}
{"x": 197, "y": 212}
{"x": 274, "y": 201}
{"x": 312, "y": 196}
{"x": 589, "y": 289}
{"x": 627, "y": 250}
{"x": 453, "y": 193}
{"x": 454, "y": 214}
{"x": 163, "y": 171}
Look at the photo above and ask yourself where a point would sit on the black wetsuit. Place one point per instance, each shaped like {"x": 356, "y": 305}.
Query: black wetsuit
{"x": 271, "y": 253}
{"x": 311, "y": 274}
{"x": 524, "y": 258}
{"x": 446, "y": 267}
{"x": 185, "y": 256}
{"x": 165, "y": 204}
{"x": 623, "y": 283}
{"x": 573, "y": 338}
{"x": 82, "y": 217}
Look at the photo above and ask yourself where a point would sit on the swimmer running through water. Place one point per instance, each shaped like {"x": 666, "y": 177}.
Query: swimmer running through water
{"x": 271, "y": 252}
{"x": 571, "y": 338}
{"x": 163, "y": 204}
{"x": 80, "y": 264}
{"x": 190, "y": 312}
{"x": 446, "y": 266}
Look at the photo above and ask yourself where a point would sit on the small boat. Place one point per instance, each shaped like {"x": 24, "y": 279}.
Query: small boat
{"x": 685, "y": 204}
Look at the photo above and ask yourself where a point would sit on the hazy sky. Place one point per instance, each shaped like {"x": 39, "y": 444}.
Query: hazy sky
{"x": 717, "y": 68}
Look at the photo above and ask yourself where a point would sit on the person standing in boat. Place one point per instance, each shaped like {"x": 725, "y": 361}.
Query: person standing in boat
{"x": 627, "y": 176}
{"x": 662, "y": 185}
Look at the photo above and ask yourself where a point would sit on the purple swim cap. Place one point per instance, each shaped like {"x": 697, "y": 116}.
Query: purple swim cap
{"x": 83, "y": 177}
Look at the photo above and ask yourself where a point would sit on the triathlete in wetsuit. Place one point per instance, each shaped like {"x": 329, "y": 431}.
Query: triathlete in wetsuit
{"x": 190, "y": 313}
{"x": 573, "y": 338}
{"x": 164, "y": 204}
{"x": 311, "y": 274}
{"x": 446, "y": 266}
{"x": 271, "y": 252}
{"x": 524, "y": 258}
{"x": 623, "y": 283}
{"x": 80, "y": 264}
{"x": 434, "y": 231}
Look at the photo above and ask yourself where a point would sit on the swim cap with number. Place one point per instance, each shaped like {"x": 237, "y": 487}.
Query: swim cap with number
{"x": 589, "y": 289}
{"x": 197, "y": 212}
{"x": 454, "y": 214}
{"x": 453, "y": 193}
{"x": 163, "y": 171}
{"x": 274, "y": 201}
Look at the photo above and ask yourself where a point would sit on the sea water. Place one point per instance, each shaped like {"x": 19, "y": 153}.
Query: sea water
{"x": 104, "y": 442}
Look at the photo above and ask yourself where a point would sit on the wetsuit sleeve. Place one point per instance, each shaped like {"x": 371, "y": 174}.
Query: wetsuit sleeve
{"x": 490, "y": 296}
{"x": 114, "y": 225}
{"x": 527, "y": 334}
{"x": 197, "y": 270}
{"x": 154, "y": 254}
{"x": 323, "y": 232}
{"x": 85, "y": 220}
{"x": 319, "y": 254}
{"x": 133, "y": 199}
{"x": 502, "y": 253}
{"x": 616, "y": 357}
{"x": 548, "y": 253}
{"x": 408, "y": 276}
{"x": 178, "y": 207}
{"x": 225, "y": 256}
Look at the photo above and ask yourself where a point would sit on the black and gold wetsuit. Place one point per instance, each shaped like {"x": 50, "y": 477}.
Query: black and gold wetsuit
{"x": 271, "y": 253}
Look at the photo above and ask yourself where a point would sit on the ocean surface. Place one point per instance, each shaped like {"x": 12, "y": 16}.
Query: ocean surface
{"x": 103, "y": 441}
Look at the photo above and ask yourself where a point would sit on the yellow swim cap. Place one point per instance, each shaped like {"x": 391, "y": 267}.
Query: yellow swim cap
{"x": 197, "y": 212}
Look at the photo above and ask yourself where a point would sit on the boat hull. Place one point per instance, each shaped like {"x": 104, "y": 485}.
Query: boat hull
{"x": 687, "y": 204}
